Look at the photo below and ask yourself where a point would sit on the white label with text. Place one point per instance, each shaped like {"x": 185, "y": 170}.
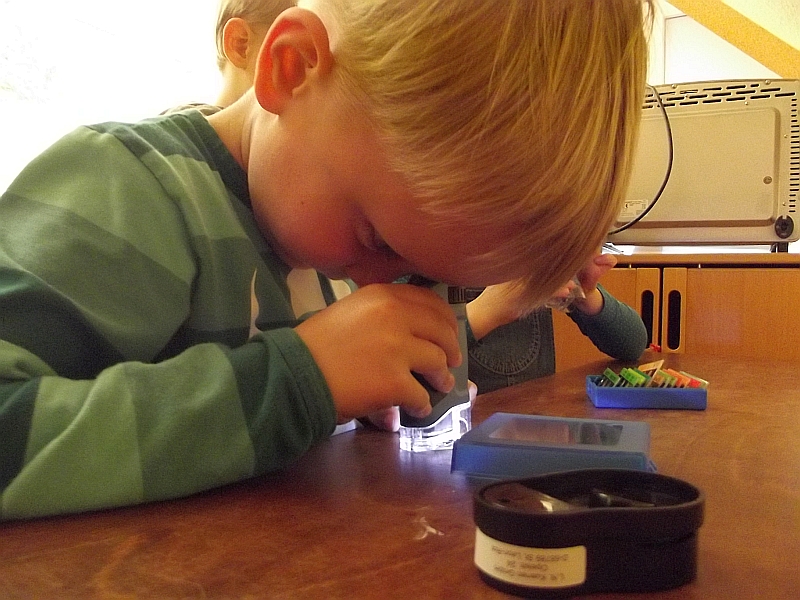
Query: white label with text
{"x": 532, "y": 567}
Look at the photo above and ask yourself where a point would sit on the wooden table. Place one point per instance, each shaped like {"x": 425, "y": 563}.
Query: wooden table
{"x": 359, "y": 518}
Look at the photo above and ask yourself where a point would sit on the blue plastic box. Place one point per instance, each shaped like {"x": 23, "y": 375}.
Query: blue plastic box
{"x": 509, "y": 445}
{"x": 642, "y": 397}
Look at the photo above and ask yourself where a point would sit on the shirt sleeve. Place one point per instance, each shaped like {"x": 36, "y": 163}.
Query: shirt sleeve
{"x": 141, "y": 432}
{"x": 617, "y": 330}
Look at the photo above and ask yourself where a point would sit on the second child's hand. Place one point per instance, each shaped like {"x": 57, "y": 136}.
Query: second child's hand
{"x": 589, "y": 276}
{"x": 497, "y": 304}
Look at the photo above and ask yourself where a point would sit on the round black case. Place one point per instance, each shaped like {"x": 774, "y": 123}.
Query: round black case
{"x": 588, "y": 530}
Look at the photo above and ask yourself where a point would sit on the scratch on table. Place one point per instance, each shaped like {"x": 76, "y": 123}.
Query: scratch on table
{"x": 424, "y": 529}
{"x": 104, "y": 580}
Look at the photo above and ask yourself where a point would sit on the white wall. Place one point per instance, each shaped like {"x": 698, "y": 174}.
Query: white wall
{"x": 63, "y": 64}
{"x": 682, "y": 51}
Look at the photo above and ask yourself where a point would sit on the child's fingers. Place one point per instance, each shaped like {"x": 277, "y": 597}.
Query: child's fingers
{"x": 564, "y": 291}
{"x": 418, "y": 412}
{"x": 429, "y": 318}
{"x": 387, "y": 419}
{"x": 436, "y": 339}
{"x": 605, "y": 260}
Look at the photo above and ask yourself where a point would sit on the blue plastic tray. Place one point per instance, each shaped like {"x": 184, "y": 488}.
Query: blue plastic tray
{"x": 631, "y": 397}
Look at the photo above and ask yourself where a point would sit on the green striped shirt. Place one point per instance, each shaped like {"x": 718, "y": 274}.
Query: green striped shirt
{"x": 127, "y": 374}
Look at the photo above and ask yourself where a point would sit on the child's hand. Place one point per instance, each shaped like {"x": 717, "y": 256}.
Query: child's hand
{"x": 368, "y": 343}
{"x": 388, "y": 419}
{"x": 499, "y": 304}
{"x": 595, "y": 268}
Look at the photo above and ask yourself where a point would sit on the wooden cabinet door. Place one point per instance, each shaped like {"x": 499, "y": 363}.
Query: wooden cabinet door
{"x": 745, "y": 312}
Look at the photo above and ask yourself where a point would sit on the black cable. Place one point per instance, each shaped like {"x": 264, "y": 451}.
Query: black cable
{"x": 667, "y": 175}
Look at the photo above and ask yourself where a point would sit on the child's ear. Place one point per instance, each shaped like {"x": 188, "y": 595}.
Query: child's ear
{"x": 295, "y": 51}
{"x": 235, "y": 41}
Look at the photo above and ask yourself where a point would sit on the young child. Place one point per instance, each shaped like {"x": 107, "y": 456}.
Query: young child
{"x": 522, "y": 347}
{"x": 472, "y": 143}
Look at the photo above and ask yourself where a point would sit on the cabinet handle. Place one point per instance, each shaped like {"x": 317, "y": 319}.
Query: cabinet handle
{"x": 674, "y": 300}
{"x": 647, "y": 304}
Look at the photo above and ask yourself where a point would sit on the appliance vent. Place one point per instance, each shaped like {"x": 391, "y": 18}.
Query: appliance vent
{"x": 794, "y": 156}
{"x": 716, "y": 93}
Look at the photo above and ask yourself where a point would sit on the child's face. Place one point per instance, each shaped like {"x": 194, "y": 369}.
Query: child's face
{"x": 325, "y": 197}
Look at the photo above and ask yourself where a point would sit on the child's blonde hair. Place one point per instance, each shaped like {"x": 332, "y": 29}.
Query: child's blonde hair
{"x": 255, "y": 12}
{"x": 519, "y": 113}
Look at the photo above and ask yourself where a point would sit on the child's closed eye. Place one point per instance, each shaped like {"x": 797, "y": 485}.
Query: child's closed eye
{"x": 372, "y": 240}
{"x": 379, "y": 245}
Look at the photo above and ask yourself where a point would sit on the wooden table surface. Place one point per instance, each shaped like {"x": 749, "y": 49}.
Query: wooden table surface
{"x": 359, "y": 518}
